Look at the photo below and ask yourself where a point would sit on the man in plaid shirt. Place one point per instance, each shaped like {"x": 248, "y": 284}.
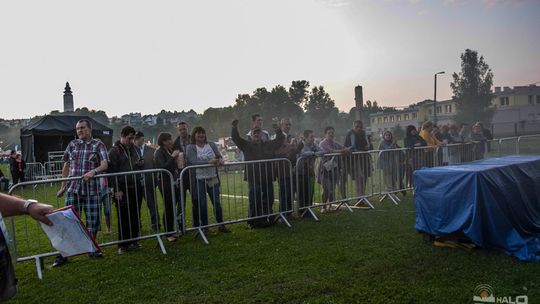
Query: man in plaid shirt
{"x": 84, "y": 157}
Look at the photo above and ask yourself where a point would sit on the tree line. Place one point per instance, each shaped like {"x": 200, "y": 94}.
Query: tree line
{"x": 313, "y": 108}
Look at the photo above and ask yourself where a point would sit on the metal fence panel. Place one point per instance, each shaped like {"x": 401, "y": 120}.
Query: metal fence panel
{"x": 529, "y": 144}
{"x": 260, "y": 194}
{"x": 122, "y": 225}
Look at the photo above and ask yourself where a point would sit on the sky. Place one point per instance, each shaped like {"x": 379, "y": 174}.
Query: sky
{"x": 127, "y": 56}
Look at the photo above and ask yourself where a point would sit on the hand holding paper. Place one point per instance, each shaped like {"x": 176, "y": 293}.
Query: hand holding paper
{"x": 68, "y": 234}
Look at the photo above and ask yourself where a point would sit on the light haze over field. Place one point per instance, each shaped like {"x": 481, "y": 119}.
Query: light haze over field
{"x": 144, "y": 56}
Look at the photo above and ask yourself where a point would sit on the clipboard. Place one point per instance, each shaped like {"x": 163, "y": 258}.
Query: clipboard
{"x": 68, "y": 234}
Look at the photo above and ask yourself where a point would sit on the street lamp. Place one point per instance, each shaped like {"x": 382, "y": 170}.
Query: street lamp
{"x": 435, "y": 98}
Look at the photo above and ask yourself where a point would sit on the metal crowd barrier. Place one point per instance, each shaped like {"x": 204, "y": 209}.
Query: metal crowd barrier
{"x": 35, "y": 171}
{"x": 53, "y": 169}
{"x": 508, "y": 146}
{"x": 248, "y": 192}
{"x": 528, "y": 144}
{"x": 335, "y": 179}
{"x": 127, "y": 223}
{"x": 251, "y": 195}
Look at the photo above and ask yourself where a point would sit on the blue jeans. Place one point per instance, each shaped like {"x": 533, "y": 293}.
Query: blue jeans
{"x": 200, "y": 217}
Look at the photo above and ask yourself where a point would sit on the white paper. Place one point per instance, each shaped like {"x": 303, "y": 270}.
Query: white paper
{"x": 67, "y": 234}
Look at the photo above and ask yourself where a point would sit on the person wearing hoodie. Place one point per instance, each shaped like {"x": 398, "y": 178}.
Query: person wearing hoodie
{"x": 128, "y": 193}
{"x": 414, "y": 155}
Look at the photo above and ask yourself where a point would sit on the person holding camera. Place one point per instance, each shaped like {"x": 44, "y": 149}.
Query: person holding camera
{"x": 206, "y": 180}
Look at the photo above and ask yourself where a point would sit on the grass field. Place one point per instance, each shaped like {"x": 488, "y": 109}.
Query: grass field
{"x": 371, "y": 256}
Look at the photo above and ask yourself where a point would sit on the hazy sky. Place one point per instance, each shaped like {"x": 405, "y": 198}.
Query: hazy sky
{"x": 144, "y": 56}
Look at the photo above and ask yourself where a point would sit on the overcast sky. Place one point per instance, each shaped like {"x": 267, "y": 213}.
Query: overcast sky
{"x": 144, "y": 56}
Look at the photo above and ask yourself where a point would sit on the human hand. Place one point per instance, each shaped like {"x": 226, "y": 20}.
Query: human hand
{"x": 88, "y": 175}
{"x": 235, "y": 123}
{"x": 61, "y": 191}
{"x": 118, "y": 195}
{"x": 38, "y": 211}
{"x": 175, "y": 153}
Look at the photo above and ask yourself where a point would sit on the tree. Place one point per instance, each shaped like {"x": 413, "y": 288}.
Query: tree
{"x": 368, "y": 108}
{"x": 319, "y": 104}
{"x": 299, "y": 91}
{"x": 282, "y": 105}
{"x": 398, "y": 132}
{"x": 472, "y": 89}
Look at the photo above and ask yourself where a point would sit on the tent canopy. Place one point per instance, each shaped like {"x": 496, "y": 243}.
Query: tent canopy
{"x": 53, "y": 133}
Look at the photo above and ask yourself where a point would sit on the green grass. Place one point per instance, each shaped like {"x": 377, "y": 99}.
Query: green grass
{"x": 362, "y": 257}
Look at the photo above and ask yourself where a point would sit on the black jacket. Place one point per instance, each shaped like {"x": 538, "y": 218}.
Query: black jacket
{"x": 123, "y": 159}
{"x": 258, "y": 173}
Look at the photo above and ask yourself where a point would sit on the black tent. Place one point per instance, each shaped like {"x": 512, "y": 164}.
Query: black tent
{"x": 53, "y": 133}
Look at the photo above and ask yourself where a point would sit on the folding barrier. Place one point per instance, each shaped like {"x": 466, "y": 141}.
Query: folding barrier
{"x": 258, "y": 192}
{"x": 508, "y": 146}
{"x": 250, "y": 195}
{"x": 127, "y": 223}
{"x": 391, "y": 168}
{"x": 528, "y": 144}
{"x": 34, "y": 171}
{"x": 53, "y": 169}
{"x": 334, "y": 179}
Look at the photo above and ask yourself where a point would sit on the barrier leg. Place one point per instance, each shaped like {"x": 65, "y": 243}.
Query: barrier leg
{"x": 161, "y": 245}
{"x": 392, "y": 197}
{"x": 346, "y": 204}
{"x": 365, "y": 200}
{"x": 39, "y": 267}
{"x": 284, "y": 220}
{"x": 312, "y": 214}
{"x": 202, "y": 235}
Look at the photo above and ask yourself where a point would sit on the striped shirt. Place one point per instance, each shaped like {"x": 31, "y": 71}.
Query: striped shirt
{"x": 84, "y": 156}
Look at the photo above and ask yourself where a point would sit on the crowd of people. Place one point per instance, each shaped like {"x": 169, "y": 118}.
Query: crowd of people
{"x": 329, "y": 163}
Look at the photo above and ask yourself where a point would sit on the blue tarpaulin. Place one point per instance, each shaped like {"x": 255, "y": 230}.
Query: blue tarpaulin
{"x": 495, "y": 202}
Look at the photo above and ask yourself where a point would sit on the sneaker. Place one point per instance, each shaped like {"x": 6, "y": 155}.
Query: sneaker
{"x": 224, "y": 229}
{"x": 135, "y": 245}
{"x": 171, "y": 238}
{"x": 95, "y": 255}
{"x": 122, "y": 250}
{"x": 59, "y": 261}
{"x": 206, "y": 231}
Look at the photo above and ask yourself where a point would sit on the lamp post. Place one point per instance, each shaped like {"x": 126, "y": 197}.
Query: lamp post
{"x": 435, "y": 98}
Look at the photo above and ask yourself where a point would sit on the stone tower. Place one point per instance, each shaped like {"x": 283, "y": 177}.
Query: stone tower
{"x": 68, "y": 99}
{"x": 359, "y": 101}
